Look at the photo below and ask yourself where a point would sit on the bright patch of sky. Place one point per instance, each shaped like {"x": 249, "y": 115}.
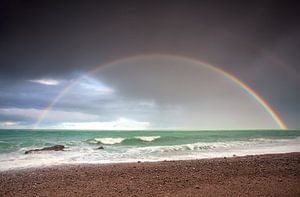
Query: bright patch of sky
{"x": 94, "y": 85}
{"x": 119, "y": 124}
{"x": 46, "y": 81}
{"x": 8, "y": 124}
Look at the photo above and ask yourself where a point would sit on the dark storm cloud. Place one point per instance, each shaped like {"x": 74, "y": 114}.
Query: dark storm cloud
{"x": 55, "y": 37}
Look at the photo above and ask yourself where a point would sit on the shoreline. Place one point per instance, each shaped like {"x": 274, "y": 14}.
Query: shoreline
{"x": 254, "y": 175}
{"x": 74, "y": 165}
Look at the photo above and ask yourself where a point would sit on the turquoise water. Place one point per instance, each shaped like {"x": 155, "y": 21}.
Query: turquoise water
{"x": 128, "y": 146}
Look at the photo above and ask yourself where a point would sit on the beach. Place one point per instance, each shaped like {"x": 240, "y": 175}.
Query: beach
{"x": 258, "y": 175}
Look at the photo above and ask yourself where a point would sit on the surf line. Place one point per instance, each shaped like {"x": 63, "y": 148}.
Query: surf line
{"x": 267, "y": 107}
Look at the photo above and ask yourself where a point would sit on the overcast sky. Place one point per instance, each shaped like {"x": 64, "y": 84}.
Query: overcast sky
{"x": 47, "y": 45}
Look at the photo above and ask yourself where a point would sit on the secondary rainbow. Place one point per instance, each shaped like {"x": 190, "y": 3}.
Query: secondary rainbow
{"x": 226, "y": 74}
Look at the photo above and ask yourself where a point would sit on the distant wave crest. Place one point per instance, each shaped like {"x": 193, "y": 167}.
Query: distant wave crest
{"x": 109, "y": 140}
{"x": 127, "y": 141}
{"x": 147, "y": 138}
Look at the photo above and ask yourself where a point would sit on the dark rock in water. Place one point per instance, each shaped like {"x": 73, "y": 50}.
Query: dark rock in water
{"x": 50, "y": 148}
{"x": 100, "y": 147}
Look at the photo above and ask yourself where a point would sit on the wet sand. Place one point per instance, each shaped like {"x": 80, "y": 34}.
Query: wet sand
{"x": 263, "y": 175}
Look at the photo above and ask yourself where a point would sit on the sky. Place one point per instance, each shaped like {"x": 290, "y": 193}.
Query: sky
{"x": 141, "y": 64}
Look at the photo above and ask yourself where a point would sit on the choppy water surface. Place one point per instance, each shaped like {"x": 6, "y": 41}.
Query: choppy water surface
{"x": 131, "y": 146}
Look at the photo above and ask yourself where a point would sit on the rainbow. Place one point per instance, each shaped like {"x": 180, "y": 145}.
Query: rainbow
{"x": 266, "y": 106}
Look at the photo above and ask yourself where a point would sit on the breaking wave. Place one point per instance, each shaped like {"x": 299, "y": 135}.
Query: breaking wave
{"x": 107, "y": 140}
{"x": 147, "y": 138}
{"x": 126, "y": 141}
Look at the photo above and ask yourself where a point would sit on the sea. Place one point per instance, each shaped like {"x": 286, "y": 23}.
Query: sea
{"x": 82, "y": 147}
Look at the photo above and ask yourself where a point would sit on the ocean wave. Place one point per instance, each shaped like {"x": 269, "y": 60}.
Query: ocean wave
{"x": 220, "y": 146}
{"x": 147, "y": 138}
{"x": 125, "y": 141}
{"x": 199, "y": 146}
{"x": 178, "y": 148}
{"x": 109, "y": 140}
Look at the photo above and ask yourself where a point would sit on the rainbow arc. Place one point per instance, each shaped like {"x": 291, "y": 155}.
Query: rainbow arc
{"x": 266, "y": 106}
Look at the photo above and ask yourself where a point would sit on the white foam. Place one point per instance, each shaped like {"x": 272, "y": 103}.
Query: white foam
{"x": 219, "y": 148}
{"x": 109, "y": 140}
{"x": 148, "y": 138}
